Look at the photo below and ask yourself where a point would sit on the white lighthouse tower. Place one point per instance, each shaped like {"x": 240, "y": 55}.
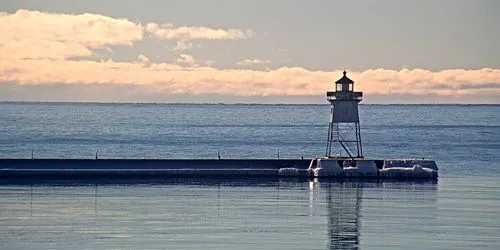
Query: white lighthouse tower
{"x": 344, "y": 132}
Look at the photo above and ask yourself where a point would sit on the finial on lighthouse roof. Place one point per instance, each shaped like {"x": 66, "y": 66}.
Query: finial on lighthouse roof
{"x": 344, "y": 79}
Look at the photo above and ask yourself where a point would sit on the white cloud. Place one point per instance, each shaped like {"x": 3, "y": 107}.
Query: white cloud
{"x": 182, "y": 45}
{"x": 143, "y": 59}
{"x": 248, "y": 62}
{"x": 169, "y": 31}
{"x": 188, "y": 78}
{"x": 34, "y": 34}
{"x": 187, "y": 59}
{"x": 209, "y": 62}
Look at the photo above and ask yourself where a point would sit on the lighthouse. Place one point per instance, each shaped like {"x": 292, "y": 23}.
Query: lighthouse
{"x": 344, "y": 132}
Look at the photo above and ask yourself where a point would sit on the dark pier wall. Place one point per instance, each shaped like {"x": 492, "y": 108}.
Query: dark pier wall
{"x": 138, "y": 164}
{"x": 143, "y": 168}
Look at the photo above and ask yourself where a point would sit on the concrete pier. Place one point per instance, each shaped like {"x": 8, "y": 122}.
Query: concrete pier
{"x": 160, "y": 168}
{"x": 145, "y": 168}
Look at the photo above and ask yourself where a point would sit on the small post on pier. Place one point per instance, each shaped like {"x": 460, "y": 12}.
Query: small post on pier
{"x": 32, "y": 154}
{"x": 278, "y": 154}
{"x": 218, "y": 155}
{"x": 96, "y": 153}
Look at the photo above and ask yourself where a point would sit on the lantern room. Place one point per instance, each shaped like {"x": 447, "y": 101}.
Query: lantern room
{"x": 344, "y": 84}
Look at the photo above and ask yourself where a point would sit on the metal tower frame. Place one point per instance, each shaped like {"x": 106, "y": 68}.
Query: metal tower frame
{"x": 344, "y": 137}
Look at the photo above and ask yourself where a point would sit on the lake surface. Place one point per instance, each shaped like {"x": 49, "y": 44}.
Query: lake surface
{"x": 459, "y": 211}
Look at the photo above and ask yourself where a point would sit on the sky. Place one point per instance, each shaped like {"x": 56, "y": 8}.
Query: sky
{"x": 277, "y": 51}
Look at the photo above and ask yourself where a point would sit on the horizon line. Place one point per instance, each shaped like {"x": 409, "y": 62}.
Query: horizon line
{"x": 237, "y": 103}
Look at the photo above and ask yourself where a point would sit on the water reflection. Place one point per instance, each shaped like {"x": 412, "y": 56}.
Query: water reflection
{"x": 344, "y": 200}
{"x": 31, "y": 200}
{"x": 347, "y": 214}
{"x": 343, "y": 206}
{"x": 95, "y": 199}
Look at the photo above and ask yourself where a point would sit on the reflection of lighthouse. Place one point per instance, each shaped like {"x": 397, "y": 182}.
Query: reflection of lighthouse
{"x": 344, "y": 205}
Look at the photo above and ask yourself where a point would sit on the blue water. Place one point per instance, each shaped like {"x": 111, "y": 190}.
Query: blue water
{"x": 460, "y": 211}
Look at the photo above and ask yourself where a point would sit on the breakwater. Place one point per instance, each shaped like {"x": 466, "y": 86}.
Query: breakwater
{"x": 159, "y": 168}
{"x": 144, "y": 168}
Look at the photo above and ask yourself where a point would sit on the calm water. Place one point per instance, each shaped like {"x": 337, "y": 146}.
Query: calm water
{"x": 461, "y": 210}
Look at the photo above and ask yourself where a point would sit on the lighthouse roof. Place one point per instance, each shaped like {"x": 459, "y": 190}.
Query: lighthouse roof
{"x": 344, "y": 79}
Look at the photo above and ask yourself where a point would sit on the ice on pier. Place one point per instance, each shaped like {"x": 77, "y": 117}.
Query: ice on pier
{"x": 327, "y": 168}
{"x": 363, "y": 168}
{"x": 416, "y": 171}
{"x": 293, "y": 172}
{"x": 409, "y": 163}
{"x": 357, "y": 168}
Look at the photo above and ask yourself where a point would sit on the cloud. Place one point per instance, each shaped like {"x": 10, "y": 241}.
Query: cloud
{"x": 187, "y": 59}
{"x": 421, "y": 81}
{"x": 182, "y": 45}
{"x": 248, "y": 62}
{"x": 34, "y": 34}
{"x": 143, "y": 59}
{"x": 169, "y": 31}
{"x": 29, "y": 34}
{"x": 188, "y": 78}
